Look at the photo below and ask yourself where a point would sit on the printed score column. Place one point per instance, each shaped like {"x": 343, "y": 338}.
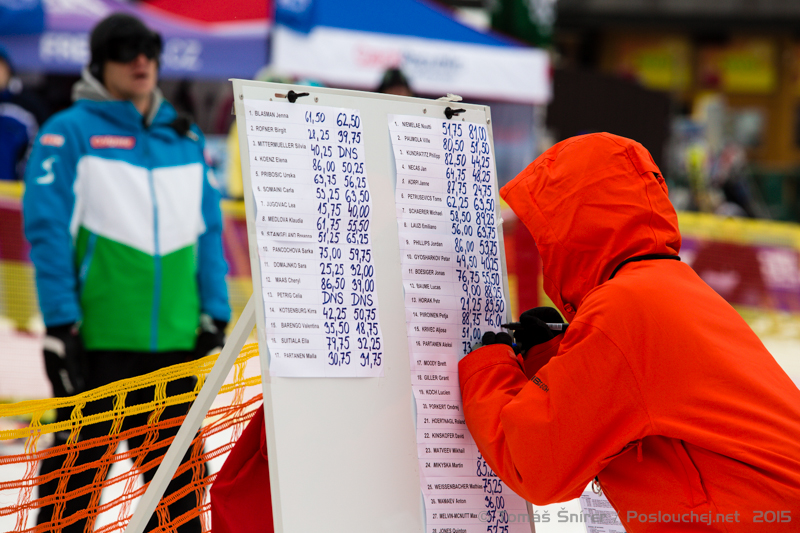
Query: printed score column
{"x": 445, "y": 199}
{"x": 314, "y": 241}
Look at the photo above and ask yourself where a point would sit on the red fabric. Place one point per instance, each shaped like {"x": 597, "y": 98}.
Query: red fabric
{"x": 526, "y": 254}
{"x": 240, "y": 495}
{"x": 653, "y": 361}
{"x": 239, "y": 11}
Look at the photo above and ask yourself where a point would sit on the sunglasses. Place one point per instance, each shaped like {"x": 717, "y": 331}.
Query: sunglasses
{"x": 126, "y": 49}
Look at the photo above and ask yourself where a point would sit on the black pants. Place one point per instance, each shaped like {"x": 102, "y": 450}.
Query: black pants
{"x": 107, "y": 367}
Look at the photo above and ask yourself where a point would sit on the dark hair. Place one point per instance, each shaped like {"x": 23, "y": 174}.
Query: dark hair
{"x": 393, "y": 77}
{"x": 121, "y": 37}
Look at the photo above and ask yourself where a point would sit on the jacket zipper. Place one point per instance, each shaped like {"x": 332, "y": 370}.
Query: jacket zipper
{"x": 156, "y": 251}
{"x": 87, "y": 260}
{"x": 597, "y": 487}
{"x": 608, "y": 497}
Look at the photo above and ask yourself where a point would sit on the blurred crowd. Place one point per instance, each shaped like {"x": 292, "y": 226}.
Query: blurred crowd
{"x": 21, "y": 114}
{"x": 708, "y": 162}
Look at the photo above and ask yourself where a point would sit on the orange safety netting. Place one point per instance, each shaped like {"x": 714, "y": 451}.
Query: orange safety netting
{"x": 237, "y": 401}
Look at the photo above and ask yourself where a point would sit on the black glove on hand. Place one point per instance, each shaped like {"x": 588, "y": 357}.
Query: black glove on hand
{"x": 490, "y": 337}
{"x": 211, "y": 337}
{"x": 64, "y": 360}
{"x": 532, "y": 327}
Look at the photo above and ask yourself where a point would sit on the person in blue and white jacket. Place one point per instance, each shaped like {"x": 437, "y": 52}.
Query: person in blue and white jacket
{"x": 21, "y": 113}
{"x": 125, "y": 229}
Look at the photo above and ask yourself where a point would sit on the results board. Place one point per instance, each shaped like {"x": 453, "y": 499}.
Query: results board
{"x": 376, "y": 246}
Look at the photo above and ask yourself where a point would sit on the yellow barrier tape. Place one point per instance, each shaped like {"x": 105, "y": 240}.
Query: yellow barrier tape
{"x": 199, "y": 368}
{"x": 739, "y": 230}
{"x": 12, "y": 189}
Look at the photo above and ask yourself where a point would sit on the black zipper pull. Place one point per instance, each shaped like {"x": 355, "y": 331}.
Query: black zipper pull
{"x": 183, "y": 126}
{"x": 596, "y": 487}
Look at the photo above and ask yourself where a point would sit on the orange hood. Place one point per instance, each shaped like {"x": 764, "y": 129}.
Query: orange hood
{"x": 590, "y": 203}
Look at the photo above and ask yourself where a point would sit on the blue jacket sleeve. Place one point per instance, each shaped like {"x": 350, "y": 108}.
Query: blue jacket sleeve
{"x": 47, "y": 209}
{"x": 212, "y": 268}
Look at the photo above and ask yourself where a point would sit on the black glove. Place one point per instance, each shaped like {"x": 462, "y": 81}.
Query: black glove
{"x": 65, "y": 360}
{"x": 490, "y": 337}
{"x": 532, "y": 327}
{"x": 211, "y": 337}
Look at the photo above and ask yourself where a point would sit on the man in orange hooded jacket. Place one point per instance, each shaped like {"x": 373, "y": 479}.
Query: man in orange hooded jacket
{"x": 658, "y": 390}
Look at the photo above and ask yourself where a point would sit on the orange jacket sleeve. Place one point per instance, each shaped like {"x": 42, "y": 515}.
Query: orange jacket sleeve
{"x": 547, "y": 437}
{"x": 538, "y": 356}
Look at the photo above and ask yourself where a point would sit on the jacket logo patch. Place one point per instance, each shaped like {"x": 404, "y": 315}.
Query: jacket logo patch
{"x": 52, "y": 139}
{"x": 48, "y": 177}
{"x": 112, "y": 141}
{"x": 539, "y": 383}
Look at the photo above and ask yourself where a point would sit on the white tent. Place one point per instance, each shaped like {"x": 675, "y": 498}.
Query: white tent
{"x": 350, "y": 43}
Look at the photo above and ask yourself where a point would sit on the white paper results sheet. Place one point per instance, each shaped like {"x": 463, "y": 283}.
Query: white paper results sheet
{"x": 598, "y": 514}
{"x": 445, "y": 200}
{"x": 314, "y": 244}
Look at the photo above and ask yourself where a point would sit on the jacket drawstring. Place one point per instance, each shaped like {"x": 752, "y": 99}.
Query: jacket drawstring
{"x": 637, "y": 258}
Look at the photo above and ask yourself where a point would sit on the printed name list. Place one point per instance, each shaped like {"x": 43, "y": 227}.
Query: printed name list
{"x": 314, "y": 242}
{"x": 447, "y": 217}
